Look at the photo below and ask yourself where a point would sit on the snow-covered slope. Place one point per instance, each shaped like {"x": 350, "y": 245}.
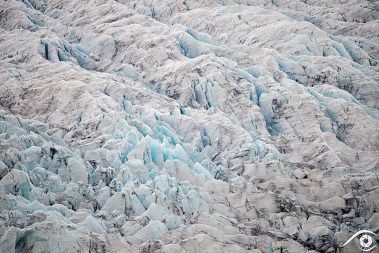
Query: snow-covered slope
{"x": 188, "y": 126}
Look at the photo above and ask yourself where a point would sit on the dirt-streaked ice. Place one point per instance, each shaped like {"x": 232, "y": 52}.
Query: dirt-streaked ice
{"x": 188, "y": 126}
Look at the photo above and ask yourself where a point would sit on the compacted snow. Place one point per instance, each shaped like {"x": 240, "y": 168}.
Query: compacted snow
{"x": 188, "y": 126}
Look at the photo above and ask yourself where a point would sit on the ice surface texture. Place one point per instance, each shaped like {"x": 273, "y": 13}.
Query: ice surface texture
{"x": 188, "y": 126}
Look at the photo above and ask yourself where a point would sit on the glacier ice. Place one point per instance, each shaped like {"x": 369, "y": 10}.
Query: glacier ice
{"x": 195, "y": 126}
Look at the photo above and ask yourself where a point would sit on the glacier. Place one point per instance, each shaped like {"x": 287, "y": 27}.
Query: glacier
{"x": 188, "y": 126}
